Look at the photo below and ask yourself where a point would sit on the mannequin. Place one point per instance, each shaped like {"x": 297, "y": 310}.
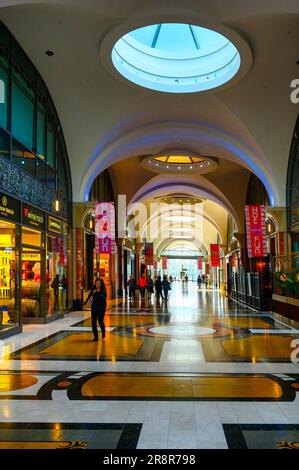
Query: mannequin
{"x": 36, "y": 271}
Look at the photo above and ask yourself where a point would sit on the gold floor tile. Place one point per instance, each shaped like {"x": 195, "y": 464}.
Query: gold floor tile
{"x": 244, "y": 322}
{"x": 10, "y": 382}
{"x": 35, "y": 445}
{"x": 80, "y": 344}
{"x": 124, "y": 320}
{"x": 205, "y": 387}
{"x": 265, "y": 346}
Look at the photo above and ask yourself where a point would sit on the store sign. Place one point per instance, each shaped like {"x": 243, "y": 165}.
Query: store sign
{"x": 33, "y": 217}
{"x": 164, "y": 262}
{"x": 54, "y": 225}
{"x": 256, "y": 231}
{"x": 149, "y": 253}
{"x": 105, "y": 228}
{"x": 215, "y": 255}
{"x": 9, "y": 208}
{"x": 199, "y": 263}
{"x": 30, "y": 256}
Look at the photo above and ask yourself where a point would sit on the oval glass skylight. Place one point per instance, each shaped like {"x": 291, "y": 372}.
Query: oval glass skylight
{"x": 176, "y": 58}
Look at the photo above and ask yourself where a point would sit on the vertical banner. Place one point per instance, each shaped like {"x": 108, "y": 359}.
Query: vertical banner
{"x": 199, "y": 263}
{"x": 215, "y": 255}
{"x": 256, "y": 231}
{"x": 164, "y": 262}
{"x": 155, "y": 264}
{"x": 79, "y": 262}
{"x": 149, "y": 253}
{"x": 105, "y": 228}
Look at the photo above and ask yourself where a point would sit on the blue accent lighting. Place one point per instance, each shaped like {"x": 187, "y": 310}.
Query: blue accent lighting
{"x": 176, "y": 58}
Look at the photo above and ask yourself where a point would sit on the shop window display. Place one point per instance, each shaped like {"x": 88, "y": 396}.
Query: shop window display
{"x": 56, "y": 274}
{"x": 9, "y": 304}
{"x": 31, "y": 283}
{"x": 31, "y": 273}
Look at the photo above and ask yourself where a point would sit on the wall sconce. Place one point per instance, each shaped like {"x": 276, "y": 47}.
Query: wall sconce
{"x": 90, "y": 224}
{"x": 57, "y": 205}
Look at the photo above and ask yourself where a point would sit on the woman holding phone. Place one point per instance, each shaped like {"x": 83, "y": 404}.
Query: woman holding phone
{"x": 98, "y": 307}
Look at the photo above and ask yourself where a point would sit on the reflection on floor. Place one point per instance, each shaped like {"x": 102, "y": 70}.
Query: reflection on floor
{"x": 68, "y": 436}
{"x": 234, "y": 337}
{"x": 200, "y": 372}
{"x": 148, "y": 385}
{"x": 194, "y": 387}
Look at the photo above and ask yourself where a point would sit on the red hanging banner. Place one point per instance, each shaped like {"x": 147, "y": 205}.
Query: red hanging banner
{"x": 215, "y": 255}
{"x": 164, "y": 262}
{"x": 105, "y": 228}
{"x": 149, "y": 253}
{"x": 199, "y": 263}
{"x": 256, "y": 231}
{"x": 155, "y": 264}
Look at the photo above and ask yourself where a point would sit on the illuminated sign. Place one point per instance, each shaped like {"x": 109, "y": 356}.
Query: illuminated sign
{"x": 256, "y": 231}
{"x": 30, "y": 256}
{"x": 9, "y": 208}
{"x": 54, "y": 225}
{"x": 105, "y": 228}
{"x": 33, "y": 217}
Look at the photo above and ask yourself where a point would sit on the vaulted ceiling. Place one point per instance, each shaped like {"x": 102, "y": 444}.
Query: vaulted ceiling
{"x": 109, "y": 122}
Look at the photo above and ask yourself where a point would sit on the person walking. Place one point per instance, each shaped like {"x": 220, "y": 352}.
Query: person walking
{"x": 132, "y": 286}
{"x": 98, "y": 307}
{"x": 199, "y": 281}
{"x": 166, "y": 287}
{"x": 142, "y": 285}
{"x": 158, "y": 287}
{"x": 150, "y": 286}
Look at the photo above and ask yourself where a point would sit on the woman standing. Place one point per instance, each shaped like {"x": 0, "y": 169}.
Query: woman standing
{"x": 98, "y": 307}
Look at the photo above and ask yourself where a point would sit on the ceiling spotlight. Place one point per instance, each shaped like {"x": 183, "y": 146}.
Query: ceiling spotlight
{"x": 190, "y": 167}
{"x": 49, "y": 53}
{"x": 179, "y": 167}
{"x": 157, "y": 164}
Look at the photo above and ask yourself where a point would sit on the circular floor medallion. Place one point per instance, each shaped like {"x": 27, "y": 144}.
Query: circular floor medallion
{"x": 182, "y": 330}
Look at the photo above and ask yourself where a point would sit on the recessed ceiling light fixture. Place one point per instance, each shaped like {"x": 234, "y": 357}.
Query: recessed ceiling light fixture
{"x": 179, "y": 161}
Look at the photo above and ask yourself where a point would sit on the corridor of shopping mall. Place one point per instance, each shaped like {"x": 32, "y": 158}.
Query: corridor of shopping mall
{"x": 149, "y": 224}
{"x": 198, "y": 372}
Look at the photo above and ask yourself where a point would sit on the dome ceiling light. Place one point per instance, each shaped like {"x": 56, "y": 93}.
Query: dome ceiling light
{"x": 179, "y": 161}
{"x": 179, "y": 199}
{"x": 176, "y": 58}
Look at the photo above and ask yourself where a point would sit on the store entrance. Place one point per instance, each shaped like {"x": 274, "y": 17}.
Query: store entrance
{"x": 9, "y": 290}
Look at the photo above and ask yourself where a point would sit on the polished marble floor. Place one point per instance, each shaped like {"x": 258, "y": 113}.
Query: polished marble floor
{"x": 200, "y": 372}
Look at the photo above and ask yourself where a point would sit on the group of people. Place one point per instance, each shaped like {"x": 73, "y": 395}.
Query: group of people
{"x": 147, "y": 284}
{"x": 202, "y": 280}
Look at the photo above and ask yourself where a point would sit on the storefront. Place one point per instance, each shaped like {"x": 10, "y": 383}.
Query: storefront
{"x": 35, "y": 197}
{"x": 89, "y": 264}
{"x": 34, "y": 265}
{"x": 9, "y": 266}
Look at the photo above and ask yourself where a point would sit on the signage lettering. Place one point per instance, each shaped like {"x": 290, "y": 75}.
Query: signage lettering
{"x": 33, "y": 217}
{"x": 256, "y": 231}
{"x": 54, "y": 225}
{"x": 9, "y": 208}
